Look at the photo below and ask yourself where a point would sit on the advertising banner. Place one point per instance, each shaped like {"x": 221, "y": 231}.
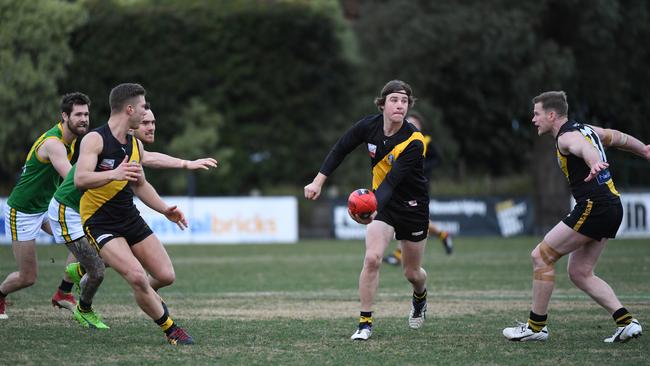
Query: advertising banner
{"x": 494, "y": 216}
{"x": 227, "y": 220}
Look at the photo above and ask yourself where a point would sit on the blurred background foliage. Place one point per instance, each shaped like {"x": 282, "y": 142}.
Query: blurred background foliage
{"x": 267, "y": 87}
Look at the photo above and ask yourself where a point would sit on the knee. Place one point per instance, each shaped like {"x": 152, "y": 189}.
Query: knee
{"x": 28, "y": 280}
{"x": 167, "y": 278}
{"x": 137, "y": 279}
{"x": 372, "y": 261}
{"x": 414, "y": 274}
{"x": 578, "y": 275}
{"x": 536, "y": 259}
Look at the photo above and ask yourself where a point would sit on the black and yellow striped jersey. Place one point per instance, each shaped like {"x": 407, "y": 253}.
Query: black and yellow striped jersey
{"x": 396, "y": 161}
{"x": 112, "y": 202}
{"x": 575, "y": 169}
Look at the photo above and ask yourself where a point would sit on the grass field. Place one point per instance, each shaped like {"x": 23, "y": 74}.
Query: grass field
{"x": 297, "y": 305}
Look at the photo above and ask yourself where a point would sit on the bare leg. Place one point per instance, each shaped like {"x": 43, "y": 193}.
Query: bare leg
{"x": 25, "y": 254}
{"x": 118, "y": 255}
{"x": 154, "y": 258}
{"x": 581, "y": 272}
{"x": 378, "y": 235}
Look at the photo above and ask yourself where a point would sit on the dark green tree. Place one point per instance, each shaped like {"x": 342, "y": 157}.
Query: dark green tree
{"x": 33, "y": 54}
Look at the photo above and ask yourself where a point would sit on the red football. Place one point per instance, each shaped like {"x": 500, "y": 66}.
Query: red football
{"x": 362, "y": 202}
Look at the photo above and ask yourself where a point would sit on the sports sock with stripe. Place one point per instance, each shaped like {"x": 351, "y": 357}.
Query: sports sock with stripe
{"x": 365, "y": 318}
{"x": 165, "y": 322}
{"x": 622, "y": 317}
{"x": 537, "y": 322}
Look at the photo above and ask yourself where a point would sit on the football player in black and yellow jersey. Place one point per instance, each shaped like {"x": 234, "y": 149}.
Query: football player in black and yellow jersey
{"x": 596, "y": 217}
{"x": 396, "y": 151}
{"x": 430, "y": 161}
{"x": 109, "y": 172}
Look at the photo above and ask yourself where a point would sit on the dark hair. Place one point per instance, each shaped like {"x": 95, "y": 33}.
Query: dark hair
{"x": 71, "y": 99}
{"x": 122, "y": 93}
{"x": 553, "y": 100}
{"x": 392, "y": 87}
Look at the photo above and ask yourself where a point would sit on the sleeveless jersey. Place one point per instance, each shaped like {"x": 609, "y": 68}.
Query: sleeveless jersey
{"x": 111, "y": 203}
{"x": 39, "y": 179}
{"x": 67, "y": 193}
{"x": 601, "y": 188}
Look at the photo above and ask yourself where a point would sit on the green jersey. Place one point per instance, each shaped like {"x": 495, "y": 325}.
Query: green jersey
{"x": 67, "y": 193}
{"x": 39, "y": 179}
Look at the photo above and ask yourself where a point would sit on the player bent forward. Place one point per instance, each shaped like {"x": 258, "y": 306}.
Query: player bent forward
{"x": 109, "y": 171}
{"x": 584, "y": 232}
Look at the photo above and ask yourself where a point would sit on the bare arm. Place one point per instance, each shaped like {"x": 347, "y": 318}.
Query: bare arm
{"x": 151, "y": 159}
{"x": 574, "y": 143}
{"x": 86, "y": 177}
{"x": 145, "y": 191}
{"x": 54, "y": 150}
{"x": 312, "y": 190}
{"x": 622, "y": 141}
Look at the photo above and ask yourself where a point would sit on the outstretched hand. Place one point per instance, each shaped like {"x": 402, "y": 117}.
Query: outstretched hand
{"x": 596, "y": 168}
{"x": 174, "y": 214}
{"x": 204, "y": 163}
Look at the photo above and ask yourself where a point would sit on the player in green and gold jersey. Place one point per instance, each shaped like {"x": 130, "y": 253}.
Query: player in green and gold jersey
{"x": 25, "y": 212}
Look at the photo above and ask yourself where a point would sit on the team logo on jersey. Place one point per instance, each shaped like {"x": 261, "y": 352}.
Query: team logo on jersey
{"x": 603, "y": 177}
{"x": 391, "y": 158}
{"x": 106, "y": 164}
{"x": 372, "y": 150}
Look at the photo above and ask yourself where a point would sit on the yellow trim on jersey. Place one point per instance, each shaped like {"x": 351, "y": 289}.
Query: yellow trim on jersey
{"x": 12, "y": 224}
{"x": 383, "y": 167}
{"x": 561, "y": 160}
{"x": 93, "y": 199}
{"x": 41, "y": 140}
{"x": 584, "y": 215}
{"x": 65, "y": 233}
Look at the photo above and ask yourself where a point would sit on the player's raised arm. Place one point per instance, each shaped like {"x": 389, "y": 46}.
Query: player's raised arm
{"x": 622, "y": 141}
{"x": 151, "y": 159}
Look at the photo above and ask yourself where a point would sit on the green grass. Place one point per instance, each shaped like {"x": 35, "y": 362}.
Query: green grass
{"x": 298, "y": 305}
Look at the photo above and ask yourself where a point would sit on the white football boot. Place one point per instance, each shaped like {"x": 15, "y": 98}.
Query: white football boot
{"x": 624, "y": 334}
{"x": 362, "y": 334}
{"x": 418, "y": 315}
{"x": 522, "y": 333}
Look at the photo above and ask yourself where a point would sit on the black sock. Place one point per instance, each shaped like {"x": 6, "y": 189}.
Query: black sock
{"x": 536, "y": 322}
{"x": 85, "y": 307}
{"x": 420, "y": 298}
{"x": 165, "y": 322}
{"x": 365, "y": 318}
{"x": 65, "y": 286}
{"x": 622, "y": 317}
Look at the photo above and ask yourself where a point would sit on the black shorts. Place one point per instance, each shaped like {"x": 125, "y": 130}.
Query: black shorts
{"x": 133, "y": 229}
{"x": 596, "y": 220}
{"x": 409, "y": 219}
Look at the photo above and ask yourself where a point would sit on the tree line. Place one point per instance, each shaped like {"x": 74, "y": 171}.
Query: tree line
{"x": 266, "y": 87}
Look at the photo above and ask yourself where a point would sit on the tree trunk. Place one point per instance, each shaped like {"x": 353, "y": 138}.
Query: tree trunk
{"x": 552, "y": 196}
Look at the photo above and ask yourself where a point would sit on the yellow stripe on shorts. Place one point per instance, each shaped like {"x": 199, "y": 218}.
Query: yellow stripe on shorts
{"x": 64, "y": 226}
{"x": 12, "y": 224}
{"x": 584, "y": 215}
